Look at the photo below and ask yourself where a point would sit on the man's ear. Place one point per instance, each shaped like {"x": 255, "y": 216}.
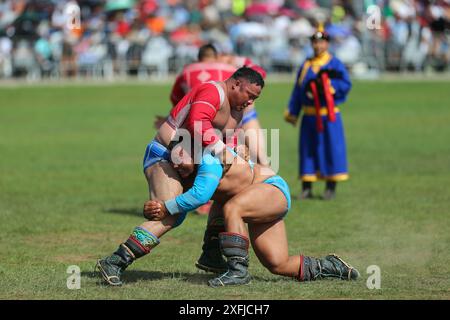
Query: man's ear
{"x": 237, "y": 83}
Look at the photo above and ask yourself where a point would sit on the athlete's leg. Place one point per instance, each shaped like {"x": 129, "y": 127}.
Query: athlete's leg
{"x": 164, "y": 183}
{"x": 141, "y": 241}
{"x": 252, "y": 206}
{"x": 211, "y": 258}
{"x": 262, "y": 207}
{"x": 269, "y": 241}
{"x": 249, "y": 206}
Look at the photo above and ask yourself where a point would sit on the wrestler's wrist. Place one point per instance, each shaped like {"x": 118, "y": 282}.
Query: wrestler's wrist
{"x": 172, "y": 207}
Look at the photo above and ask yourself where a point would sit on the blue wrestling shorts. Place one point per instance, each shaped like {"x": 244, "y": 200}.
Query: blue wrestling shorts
{"x": 279, "y": 182}
{"x": 154, "y": 153}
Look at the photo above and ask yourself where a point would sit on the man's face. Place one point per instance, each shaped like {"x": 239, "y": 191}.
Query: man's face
{"x": 319, "y": 46}
{"x": 244, "y": 94}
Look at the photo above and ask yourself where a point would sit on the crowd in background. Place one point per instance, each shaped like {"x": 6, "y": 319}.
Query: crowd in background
{"x": 110, "y": 38}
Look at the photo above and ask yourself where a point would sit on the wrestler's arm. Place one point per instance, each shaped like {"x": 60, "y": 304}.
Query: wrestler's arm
{"x": 254, "y": 139}
{"x": 205, "y": 184}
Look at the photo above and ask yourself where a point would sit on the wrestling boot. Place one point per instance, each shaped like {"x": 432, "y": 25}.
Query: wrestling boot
{"x": 140, "y": 243}
{"x": 331, "y": 266}
{"x": 235, "y": 248}
{"x": 211, "y": 259}
{"x": 111, "y": 267}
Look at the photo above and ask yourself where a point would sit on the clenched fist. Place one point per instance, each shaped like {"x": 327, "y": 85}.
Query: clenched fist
{"x": 155, "y": 210}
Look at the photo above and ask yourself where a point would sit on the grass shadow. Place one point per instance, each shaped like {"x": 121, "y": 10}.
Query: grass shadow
{"x": 197, "y": 278}
{"x": 296, "y": 197}
{"x": 132, "y": 276}
{"x": 135, "y": 212}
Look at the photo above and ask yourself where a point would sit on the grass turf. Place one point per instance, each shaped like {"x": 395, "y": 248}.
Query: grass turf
{"x": 71, "y": 189}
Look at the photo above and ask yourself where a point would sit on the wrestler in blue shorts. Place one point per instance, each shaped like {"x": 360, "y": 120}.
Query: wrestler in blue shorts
{"x": 205, "y": 184}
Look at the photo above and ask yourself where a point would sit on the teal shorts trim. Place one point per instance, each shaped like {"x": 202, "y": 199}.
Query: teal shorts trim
{"x": 279, "y": 182}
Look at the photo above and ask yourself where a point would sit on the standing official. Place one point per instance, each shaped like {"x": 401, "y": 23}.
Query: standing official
{"x": 322, "y": 84}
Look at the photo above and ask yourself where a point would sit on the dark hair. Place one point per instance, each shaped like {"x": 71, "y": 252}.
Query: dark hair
{"x": 249, "y": 74}
{"x": 206, "y": 50}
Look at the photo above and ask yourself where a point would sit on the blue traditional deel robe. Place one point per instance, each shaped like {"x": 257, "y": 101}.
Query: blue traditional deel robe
{"x": 323, "y": 155}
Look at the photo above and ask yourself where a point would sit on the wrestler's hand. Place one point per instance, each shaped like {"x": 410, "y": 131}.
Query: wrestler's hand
{"x": 159, "y": 120}
{"x": 155, "y": 210}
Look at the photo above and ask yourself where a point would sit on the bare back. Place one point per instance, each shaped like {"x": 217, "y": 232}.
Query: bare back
{"x": 207, "y": 103}
{"x": 238, "y": 177}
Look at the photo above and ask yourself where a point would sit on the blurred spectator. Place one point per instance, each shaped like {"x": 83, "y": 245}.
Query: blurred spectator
{"x": 156, "y": 56}
{"x": 115, "y": 37}
{"x": 5, "y": 57}
{"x": 23, "y": 60}
{"x": 9, "y": 11}
{"x": 43, "y": 50}
{"x": 68, "y": 65}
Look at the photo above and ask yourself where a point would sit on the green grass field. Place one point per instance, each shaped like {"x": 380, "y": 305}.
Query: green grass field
{"x": 71, "y": 189}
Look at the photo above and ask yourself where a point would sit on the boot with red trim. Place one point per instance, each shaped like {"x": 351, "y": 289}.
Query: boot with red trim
{"x": 332, "y": 266}
{"x": 235, "y": 249}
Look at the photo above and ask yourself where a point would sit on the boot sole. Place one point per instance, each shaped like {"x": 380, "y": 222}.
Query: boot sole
{"x": 105, "y": 277}
{"x": 229, "y": 285}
